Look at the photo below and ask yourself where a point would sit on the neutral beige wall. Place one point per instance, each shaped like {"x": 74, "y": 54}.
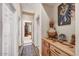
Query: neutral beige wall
{"x": 48, "y": 10}
{"x": 77, "y": 29}
{"x": 45, "y": 22}
{"x": 68, "y": 30}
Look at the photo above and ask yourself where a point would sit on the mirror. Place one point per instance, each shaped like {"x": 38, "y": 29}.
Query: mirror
{"x": 27, "y": 29}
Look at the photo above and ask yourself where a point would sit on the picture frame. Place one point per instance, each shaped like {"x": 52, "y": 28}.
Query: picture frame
{"x": 65, "y": 13}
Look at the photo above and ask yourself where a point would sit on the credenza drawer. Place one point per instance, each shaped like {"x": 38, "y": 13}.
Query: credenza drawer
{"x": 56, "y": 52}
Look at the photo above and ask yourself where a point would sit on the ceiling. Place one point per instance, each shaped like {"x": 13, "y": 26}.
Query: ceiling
{"x": 51, "y": 4}
{"x": 30, "y": 6}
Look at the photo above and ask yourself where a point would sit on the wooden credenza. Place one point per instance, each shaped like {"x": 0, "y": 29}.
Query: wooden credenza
{"x": 51, "y": 48}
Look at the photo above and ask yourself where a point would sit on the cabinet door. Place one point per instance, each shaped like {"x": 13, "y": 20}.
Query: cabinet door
{"x": 45, "y": 48}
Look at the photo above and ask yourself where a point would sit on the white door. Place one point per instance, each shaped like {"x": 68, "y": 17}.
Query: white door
{"x": 9, "y": 34}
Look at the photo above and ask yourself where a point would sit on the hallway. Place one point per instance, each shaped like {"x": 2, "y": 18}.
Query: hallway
{"x": 34, "y": 29}
{"x": 18, "y": 33}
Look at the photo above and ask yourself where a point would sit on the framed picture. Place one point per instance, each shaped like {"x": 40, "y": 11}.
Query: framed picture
{"x": 65, "y": 11}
